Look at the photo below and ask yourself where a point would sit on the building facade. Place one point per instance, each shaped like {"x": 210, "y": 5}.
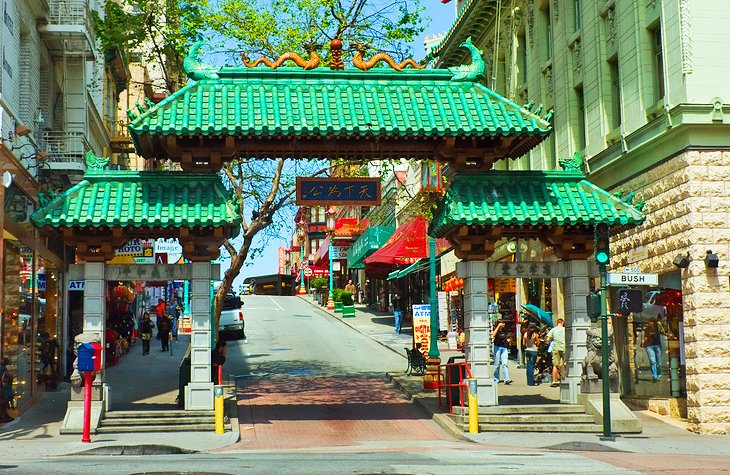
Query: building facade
{"x": 637, "y": 87}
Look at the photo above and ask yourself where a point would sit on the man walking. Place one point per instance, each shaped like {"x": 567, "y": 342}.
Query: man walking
{"x": 501, "y": 340}
{"x": 557, "y": 336}
{"x": 397, "y": 312}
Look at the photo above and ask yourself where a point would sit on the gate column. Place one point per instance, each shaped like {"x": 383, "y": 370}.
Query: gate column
{"x": 476, "y": 326}
{"x": 575, "y": 289}
{"x": 199, "y": 392}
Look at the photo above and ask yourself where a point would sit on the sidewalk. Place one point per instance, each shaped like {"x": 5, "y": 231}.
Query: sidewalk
{"x": 660, "y": 435}
{"x": 36, "y": 432}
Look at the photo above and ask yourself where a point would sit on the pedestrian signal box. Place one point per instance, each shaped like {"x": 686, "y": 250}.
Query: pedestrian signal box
{"x": 593, "y": 305}
{"x": 629, "y": 301}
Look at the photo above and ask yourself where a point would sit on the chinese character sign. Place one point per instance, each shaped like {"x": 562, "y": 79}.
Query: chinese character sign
{"x": 338, "y": 191}
{"x": 422, "y": 326}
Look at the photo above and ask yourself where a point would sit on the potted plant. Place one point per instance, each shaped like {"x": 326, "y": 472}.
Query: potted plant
{"x": 319, "y": 284}
{"x": 348, "y": 304}
{"x": 337, "y": 297}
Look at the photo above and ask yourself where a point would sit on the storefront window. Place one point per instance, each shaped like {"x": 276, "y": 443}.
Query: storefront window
{"x": 17, "y": 324}
{"x": 46, "y": 306}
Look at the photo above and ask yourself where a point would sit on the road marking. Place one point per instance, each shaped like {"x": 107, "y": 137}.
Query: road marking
{"x": 272, "y": 299}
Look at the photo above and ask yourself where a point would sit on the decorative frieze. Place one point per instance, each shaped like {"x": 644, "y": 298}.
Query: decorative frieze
{"x": 686, "y": 36}
{"x": 531, "y": 22}
{"x": 577, "y": 58}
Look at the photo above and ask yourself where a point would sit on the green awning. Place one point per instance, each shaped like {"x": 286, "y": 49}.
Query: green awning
{"x": 530, "y": 198}
{"x": 134, "y": 199}
{"x": 417, "y": 266}
{"x": 370, "y": 241}
{"x": 393, "y": 275}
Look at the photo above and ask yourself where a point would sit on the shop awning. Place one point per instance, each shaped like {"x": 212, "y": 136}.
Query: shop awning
{"x": 393, "y": 275}
{"x": 323, "y": 253}
{"x": 418, "y": 266}
{"x": 408, "y": 244}
{"x": 370, "y": 241}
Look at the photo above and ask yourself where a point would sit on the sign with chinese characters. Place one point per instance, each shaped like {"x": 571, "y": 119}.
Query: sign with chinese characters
{"x": 422, "y": 326}
{"x": 532, "y": 269}
{"x": 121, "y": 272}
{"x": 312, "y": 191}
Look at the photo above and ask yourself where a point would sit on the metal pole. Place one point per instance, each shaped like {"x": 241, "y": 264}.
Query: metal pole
{"x": 302, "y": 289}
{"x": 433, "y": 347}
{"x": 86, "y": 430}
{"x": 331, "y": 297}
{"x": 604, "y": 355}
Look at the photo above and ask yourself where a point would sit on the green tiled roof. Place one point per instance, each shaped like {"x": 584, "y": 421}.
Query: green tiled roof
{"x": 141, "y": 200}
{"x": 529, "y": 198}
{"x": 337, "y": 104}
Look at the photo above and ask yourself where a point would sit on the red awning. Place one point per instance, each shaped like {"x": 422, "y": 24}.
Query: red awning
{"x": 323, "y": 253}
{"x": 407, "y": 244}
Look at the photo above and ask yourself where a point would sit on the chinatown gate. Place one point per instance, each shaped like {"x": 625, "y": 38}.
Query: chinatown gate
{"x": 332, "y": 112}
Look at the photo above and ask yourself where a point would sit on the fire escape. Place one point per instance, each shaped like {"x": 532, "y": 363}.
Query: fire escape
{"x": 69, "y": 35}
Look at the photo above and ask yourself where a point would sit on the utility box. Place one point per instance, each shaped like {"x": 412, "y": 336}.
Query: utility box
{"x": 89, "y": 357}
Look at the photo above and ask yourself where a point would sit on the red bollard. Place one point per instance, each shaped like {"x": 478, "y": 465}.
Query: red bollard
{"x": 88, "y": 378}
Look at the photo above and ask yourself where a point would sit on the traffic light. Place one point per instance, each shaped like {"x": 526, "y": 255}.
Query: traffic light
{"x": 593, "y": 305}
{"x": 600, "y": 237}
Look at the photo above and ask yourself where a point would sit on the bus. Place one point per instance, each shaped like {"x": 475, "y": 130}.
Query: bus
{"x": 274, "y": 284}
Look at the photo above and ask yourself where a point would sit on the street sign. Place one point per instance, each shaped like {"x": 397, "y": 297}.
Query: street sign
{"x": 632, "y": 270}
{"x": 615, "y": 278}
{"x": 308, "y": 272}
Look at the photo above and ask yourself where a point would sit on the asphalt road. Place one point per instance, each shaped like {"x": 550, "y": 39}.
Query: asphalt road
{"x": 312, "y": 399}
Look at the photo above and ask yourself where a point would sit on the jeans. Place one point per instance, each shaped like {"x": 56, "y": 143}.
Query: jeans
{"x": 398, "y": 319}
{"x": 531, "y": 356}
{"x": 500, "y": 360}
{"x": 654, "y": 352}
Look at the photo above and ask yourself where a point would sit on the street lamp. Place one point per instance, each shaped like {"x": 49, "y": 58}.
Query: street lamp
{"x": 331, "y": 232}
{"x": 302, "y": 238}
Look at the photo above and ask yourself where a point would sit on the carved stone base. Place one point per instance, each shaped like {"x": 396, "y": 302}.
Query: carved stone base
{"x": 431, "y": 377}
{"x": 595, "y": 386}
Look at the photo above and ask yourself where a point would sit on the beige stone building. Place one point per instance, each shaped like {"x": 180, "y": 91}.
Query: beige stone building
{"x": 640, "y": 88}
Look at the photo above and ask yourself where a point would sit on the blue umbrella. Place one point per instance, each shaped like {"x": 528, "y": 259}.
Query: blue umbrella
{"x": 542, "y": 315}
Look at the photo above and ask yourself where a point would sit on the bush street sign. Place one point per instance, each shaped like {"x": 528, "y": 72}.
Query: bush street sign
{"x": 615, "y": 278}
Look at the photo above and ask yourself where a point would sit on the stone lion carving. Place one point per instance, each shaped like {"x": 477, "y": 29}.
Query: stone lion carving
{"x": 593, "y": 362}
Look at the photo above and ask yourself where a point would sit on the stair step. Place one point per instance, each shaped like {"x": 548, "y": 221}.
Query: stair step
{"x": 160, "y": 428}
{"x": 141, "y": 421}
{"x": 539, "y": 428}
{"x": 530, "y": 419}
{"x": 526, "y": 409}
{"x": 156, "y": 414}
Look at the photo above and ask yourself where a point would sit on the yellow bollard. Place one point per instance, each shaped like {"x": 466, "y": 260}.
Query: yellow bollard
{"x": 218, "y": 406}
{"x": 473, "y": 407}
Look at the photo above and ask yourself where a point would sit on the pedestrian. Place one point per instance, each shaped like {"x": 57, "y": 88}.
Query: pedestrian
{"x": 218, "y": 357}
{"x": 253, "y": 287}
{"x": 350, "y": 287}
{"x": 530, "y": 342}
{"x": 501, "y": 339}
{"x": 7, "y": 395}
{"x": 397, "y": 312}
{"x": 174, "y": 310}
{"x": 653, "y": 345}
{"x": 556, "y": 336}
{"x": 145, "y": 328}
{"x": 163, "y": 329}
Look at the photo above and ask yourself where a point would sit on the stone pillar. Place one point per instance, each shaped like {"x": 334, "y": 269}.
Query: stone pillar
{"x": 199, "y": 392}
{"x": 575, "y": 290}
{"x": 478, "y": 347}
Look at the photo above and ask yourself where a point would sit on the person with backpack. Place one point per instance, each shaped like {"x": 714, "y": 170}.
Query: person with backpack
{"x": 7, "y": 394}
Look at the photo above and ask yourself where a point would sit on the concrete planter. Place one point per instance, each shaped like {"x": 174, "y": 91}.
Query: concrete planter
{"x": 338, "y": 307}
{"x": 348, "y": 311}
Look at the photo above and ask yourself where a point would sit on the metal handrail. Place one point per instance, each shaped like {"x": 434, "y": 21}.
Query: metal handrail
{"x": 65, "y": 146}
{"x": 72, "y": 12}
{"x": 446, "y": 383}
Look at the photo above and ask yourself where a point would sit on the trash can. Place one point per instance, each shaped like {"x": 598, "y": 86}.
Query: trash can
{"x": 184, "y": 380}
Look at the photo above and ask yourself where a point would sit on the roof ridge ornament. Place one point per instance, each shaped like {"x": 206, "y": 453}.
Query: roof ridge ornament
{"x": 195, "y": 69}
{"x": 311, "y": 63}
{"x": 572, "y": 164}
{"x": 470, "y": 72}
{"x": 360, "y": 63}
{"x": 94, "y": 163}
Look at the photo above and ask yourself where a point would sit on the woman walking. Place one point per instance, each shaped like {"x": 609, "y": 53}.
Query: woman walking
{"x": 530, "y": 342}
{"x": 145, "y": 328}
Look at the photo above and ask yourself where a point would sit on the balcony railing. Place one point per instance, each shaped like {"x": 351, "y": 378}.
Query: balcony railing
{"x": 68, "y": 147}
{"x": 72, "y": 13}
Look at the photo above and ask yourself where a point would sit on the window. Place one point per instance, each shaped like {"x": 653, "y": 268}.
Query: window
{"x": 576, "y": 14}
{"x": 521, "y": 59}
{"x": 7, "y": 18}
{"x": 614, "y": 98}
{"x": 548, "y": 31}
{"x": 658, "y": 64}
{"x": 316, "y": 214}
{"x": 579, "y": 135}
{"x": 315, "y": 244}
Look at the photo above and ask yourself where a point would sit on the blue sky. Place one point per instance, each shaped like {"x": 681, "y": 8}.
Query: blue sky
{"x": 442, "y": 17}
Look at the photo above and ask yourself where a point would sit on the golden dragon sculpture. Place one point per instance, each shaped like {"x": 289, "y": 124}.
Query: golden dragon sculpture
{"x": 358, "y": 62}
{"x": 311, "y": 63}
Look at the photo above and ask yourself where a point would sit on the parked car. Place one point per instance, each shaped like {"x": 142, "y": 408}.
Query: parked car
{"x": 231, "y": 320}
{"x": 658, "y": 304}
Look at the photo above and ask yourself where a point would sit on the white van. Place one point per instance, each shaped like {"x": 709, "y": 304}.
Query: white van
{"x": 231, "y": 320}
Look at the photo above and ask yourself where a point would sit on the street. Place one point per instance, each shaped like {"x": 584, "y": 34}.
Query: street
{"x": 313, "y": 399}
